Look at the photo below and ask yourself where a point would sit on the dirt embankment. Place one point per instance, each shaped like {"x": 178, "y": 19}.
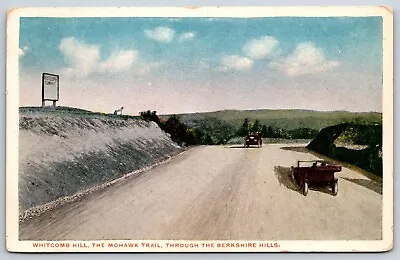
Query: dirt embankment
{"x": 62, "y": 155}
{"x": 357, "y": 144}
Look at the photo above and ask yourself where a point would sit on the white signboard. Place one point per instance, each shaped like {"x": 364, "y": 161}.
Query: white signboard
{"x": 50, "y": 87}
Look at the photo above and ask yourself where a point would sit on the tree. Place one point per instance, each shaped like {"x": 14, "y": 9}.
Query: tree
{"x": 150, "y": 116}
{"x": 255, "y": 127}
{"x": 175, "y": 129}
{"x": 264, "y": 131}
{"x": 193, "y": 136}
{"x": 208, "y": 140}
{"x": 270, "y": 132}
{"x": 244, "y": 129}
{"x": 154, "y": 117}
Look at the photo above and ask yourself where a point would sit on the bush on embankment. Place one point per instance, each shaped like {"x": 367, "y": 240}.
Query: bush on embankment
{"x": 354, "y": 143}
{"x": 62, "y": 155}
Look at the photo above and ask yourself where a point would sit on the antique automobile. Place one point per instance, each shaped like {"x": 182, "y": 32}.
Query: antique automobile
{"x": 253, "y": 139}
{"x": 316, "y": 173}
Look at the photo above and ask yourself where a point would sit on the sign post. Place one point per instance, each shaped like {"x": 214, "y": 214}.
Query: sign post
{"x": 50, "y": 88}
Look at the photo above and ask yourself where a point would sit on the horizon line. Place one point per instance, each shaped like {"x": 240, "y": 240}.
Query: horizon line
{"x": 221, "y": 110}
{"x": 270, "y": 109}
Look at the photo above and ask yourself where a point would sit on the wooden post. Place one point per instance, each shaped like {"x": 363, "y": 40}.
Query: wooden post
{"x": 54, "y": 103}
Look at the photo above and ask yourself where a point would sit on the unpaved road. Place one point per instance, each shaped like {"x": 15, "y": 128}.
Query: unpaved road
{"x": 215, "y": 192}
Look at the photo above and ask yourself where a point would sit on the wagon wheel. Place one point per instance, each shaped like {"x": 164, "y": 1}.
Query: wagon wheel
{"x": 305, "y": 189}
{"x": 335, "y": 188}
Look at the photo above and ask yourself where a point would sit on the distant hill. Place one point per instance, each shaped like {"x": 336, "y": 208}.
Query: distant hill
{"x": 286, "y": 119}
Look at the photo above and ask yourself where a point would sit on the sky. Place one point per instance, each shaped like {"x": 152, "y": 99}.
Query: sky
{"x": 183, "y": 65}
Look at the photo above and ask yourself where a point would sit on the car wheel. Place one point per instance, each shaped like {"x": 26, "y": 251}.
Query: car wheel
{"x": 335, "y": 188}
{"x": 305, "y": 189}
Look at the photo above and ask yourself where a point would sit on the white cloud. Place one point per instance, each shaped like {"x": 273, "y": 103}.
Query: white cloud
{"x": 187, "y": 36}
{"x": 22, "y": 51}
{"x": 81, "y": 57}
{"x": 235, "y": 62}
{"x": 119, "y": 61}
{"x": 261, "y": 48}
{"x": 84, "y": 59}
{"x": 161, "y": 33}
{"x": 306, "y": 59}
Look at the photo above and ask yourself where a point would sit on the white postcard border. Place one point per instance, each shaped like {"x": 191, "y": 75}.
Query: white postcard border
{"x": 12, "y": 100}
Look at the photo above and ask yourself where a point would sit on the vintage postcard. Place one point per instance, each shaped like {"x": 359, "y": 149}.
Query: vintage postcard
{"x": 200, "y": 129}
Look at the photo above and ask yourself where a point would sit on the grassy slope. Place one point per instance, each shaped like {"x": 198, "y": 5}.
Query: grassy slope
{"x": 69, "y": 111}
{"x": 288, "y": 119}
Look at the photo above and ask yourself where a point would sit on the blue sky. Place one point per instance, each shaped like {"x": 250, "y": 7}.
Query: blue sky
{"x": 203, "y": 64}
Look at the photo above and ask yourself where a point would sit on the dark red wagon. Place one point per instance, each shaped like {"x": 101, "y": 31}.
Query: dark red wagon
{"x": 316, "y": 173}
